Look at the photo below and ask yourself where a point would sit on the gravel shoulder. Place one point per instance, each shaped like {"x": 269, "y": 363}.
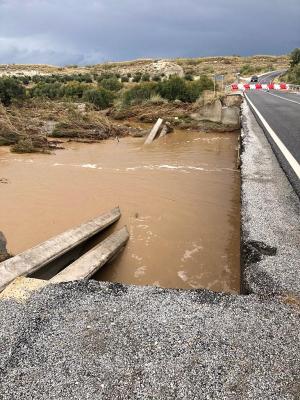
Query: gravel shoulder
{"x": 93, "y": 340}
{"x": 270, "y": 217}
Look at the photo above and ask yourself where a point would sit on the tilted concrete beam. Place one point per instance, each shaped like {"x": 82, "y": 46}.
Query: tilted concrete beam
{"x": 35, "y": 258}
{"x": 88, "y": 264}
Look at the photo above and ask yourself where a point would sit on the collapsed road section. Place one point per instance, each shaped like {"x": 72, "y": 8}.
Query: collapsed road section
{"x": 89, "y": 340}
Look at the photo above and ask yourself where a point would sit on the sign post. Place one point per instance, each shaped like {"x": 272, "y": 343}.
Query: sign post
{"x": 219, "y": 78}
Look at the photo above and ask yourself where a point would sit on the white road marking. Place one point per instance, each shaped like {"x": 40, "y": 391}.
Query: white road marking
{"x": 288, "y": 156}
{"x": 284, "y": 98}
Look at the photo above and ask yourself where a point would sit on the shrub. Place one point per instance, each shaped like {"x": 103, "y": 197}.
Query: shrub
{"x": 124, "y": 79}
{"x": 293, "y": 75}
{"x": 205, "y": 83}
{"x": 24, "y": 145}
{"x": 10, "y": 89}
{"x": 112, "y": 84}
{"x": 139, "y": 94}
{"x": 156, "y": 78}
{"x": 189, "y": 77}
{"x": 146, "y": 77}
{"x": 50, "y": 90}
{"x": 73, "y": 89}
{"x": 101, "y": 98}
{"x": 174, "y": 89}
{"x": 106, "y": 75}
{"x": 247, "y": 69}
{"x": 137, "y": 77}
{"x": 179, "y": 89}
{"x": 295, "y": 57}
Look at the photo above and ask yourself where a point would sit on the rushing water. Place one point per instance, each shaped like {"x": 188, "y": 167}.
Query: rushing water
{"x": 179, "y": 198}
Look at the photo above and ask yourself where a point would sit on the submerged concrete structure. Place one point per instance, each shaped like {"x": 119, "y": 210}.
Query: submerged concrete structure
{"x": 39, "y": 256}
{"x": 87, "y": 265}
{"x": 154, "y": 131}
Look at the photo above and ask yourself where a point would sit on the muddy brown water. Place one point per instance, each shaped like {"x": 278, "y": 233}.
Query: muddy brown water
{"x": 179, "y": 197}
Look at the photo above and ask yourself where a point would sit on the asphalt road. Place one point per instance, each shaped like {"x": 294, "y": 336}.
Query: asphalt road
{"x": 270, "y": 76}
{"x": 281, "y": 110}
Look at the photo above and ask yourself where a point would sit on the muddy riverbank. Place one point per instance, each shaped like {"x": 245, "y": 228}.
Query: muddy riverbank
{"x": 180, "y": 199}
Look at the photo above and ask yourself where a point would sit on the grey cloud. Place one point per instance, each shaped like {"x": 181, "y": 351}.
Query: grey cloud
{"x": 61, "y": 32}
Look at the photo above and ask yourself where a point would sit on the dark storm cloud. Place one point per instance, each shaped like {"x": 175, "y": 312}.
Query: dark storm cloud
{"x": 65, "y": 31}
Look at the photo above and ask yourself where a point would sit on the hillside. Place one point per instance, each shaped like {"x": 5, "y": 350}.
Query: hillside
{"x": 227, "y": 66}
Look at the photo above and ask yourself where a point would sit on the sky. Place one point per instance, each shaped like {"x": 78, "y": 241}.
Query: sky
{"x": 62, "y": 32}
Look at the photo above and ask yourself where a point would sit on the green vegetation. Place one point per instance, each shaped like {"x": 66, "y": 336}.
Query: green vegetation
{"x": 113, "y": 84}
{"x": 102, "y": 90}
{"x": 293, "y": 74}
{"x": 179, "y": 89}
{"x": 101, "y": 98}
{"x": 137, "y": 77}
{"x": 146, "y": 77}
{"x": 10, "y": 89}
{"x": 295, "y": 57}
{"x": 172, "y": 89}
{"x": 139, "y": 94}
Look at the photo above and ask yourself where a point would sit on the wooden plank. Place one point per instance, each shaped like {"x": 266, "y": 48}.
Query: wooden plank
{"x": 92, "y": 261}
{"x": 154, "y": 131}
{"x": 33, "y": 259}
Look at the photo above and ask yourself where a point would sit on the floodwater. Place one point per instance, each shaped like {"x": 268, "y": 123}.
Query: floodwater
{"x": 179, "y": 197}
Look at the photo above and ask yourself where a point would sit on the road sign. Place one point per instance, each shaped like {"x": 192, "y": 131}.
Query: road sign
{"x": 219, "y": 77}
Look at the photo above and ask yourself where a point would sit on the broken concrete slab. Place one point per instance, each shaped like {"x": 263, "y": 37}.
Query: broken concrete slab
{"x": 231, "y": 116}
{"x": 154, "y": 131}
{"x": 232, "y": 100}
{"x": 33, "y": 259}
{"x": 211, "y": 112}
{"x": 88, "y": 264}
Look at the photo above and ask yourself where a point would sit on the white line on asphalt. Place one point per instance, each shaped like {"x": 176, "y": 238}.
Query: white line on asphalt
{"x": 284, "y": 98}
{"x": 288, "y": 156}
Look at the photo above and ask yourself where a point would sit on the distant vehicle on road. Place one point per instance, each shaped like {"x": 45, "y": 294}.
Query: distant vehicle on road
{"x": 254, "y": 78}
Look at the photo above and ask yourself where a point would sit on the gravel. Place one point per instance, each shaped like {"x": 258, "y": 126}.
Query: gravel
{"x": 93, "y": 340}
{"x": 270, "y": 217}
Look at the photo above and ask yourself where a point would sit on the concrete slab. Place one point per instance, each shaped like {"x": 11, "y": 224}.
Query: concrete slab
{"x": 154, "y": 131}
{"x": 87, "y": 265}
{"x": 42, "y": 254}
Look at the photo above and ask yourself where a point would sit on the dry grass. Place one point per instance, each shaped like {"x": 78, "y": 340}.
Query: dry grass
{"x": 25, "y": 126}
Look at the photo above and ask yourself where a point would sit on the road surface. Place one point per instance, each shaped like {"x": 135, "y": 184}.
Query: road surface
{"x": 270, "y": 76}
{"x": 281, "y": 114}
